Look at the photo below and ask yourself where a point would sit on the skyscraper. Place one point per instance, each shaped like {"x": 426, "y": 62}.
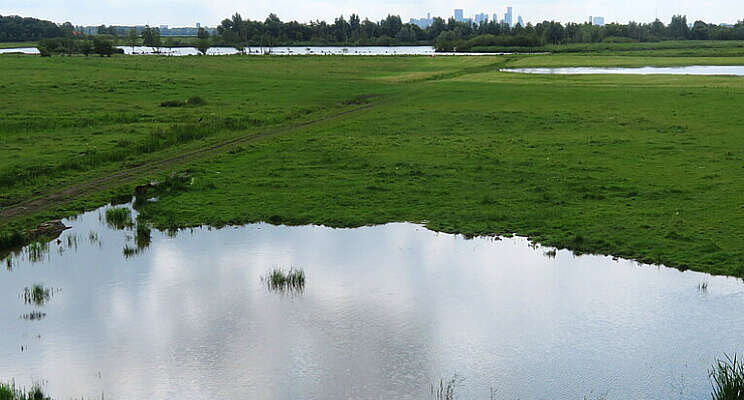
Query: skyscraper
{"x": 599, "y": 21}
{"x": 458, "y": 15}
{"x": 481, "y": 18}
{"x": 520, "y": 21}
{"x": 508, "y": 18}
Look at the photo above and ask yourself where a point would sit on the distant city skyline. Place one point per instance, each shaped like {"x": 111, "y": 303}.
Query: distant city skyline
{"x": 186, "y": 12}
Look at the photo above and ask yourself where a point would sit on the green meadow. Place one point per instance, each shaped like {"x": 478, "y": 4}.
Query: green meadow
{"x": 644, "y": 167}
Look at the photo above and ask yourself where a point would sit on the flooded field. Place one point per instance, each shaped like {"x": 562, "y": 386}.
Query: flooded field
{"x": 273, "y": 312}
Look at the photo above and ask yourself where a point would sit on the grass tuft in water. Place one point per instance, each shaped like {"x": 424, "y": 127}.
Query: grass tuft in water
{"x": 119, "y": 218}
{"x": 727, "y": 376}
{"x": 33, "y": 316}
{"x": 37, "y": 295}
{"x": 446, "y": 388}
{"x": 291, "y": 280}
{"x": 9, "y": 391}
{"x": 143, "y": 236}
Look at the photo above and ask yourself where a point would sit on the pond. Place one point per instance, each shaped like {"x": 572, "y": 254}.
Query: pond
{"x": 280, "y": 50}
{"x": 736, "y": 70}
{"x": 382, "y": 312}
{"x": 20, "y": 50}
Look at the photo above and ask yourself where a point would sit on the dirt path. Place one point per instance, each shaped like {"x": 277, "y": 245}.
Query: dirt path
{"x": 41, "y": 203}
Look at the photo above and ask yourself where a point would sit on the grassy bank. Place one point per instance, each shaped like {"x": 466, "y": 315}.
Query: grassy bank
{"x": 670, "y": 48}
{"x": 644, "y": 167}
{"x": 16, "y": 45}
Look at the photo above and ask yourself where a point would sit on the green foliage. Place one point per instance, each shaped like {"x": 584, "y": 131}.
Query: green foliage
{"x": 48, "y": 47}
{"x": 119, "y": 218}
{"x": 281, "y": 280}
{"x": 9, "y": 240}
{"x": 151, "y": 38}
{"x": 203, "y": 46}
{"x": 727, "y": 376}
{"x": 11, "y": 392}
{"x": 103, "y": 47}
{"x": 19, "y": 29}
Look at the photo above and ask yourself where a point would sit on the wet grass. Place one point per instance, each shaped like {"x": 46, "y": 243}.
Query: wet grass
{"x": 292, "y": 280}
{"x": 727, "y": 376}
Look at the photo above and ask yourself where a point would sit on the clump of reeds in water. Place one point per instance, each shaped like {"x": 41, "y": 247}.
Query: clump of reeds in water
{"x": 9, "y": 391}
{"x": 446, "y": 388}
{"x": 703, "y": 286}
{"x": 37, "y": 295}
{"x": 119, "y": 218}
{"x": 32, "y": 316}
{"x": 727, "y": 377}
{"x": 292, "y": 280}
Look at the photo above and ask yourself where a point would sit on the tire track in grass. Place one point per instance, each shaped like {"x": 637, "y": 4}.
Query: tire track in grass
{"x": 41, "y": 203}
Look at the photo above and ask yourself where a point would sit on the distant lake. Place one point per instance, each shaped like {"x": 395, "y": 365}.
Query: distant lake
{"x": 280, "y": 50}
{"x": 737, "y": 70}
{"x": 21, "y": 50}
{"x": 385, "y": 311}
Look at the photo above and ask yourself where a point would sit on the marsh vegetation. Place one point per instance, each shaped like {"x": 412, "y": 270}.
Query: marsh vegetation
{"x": 280, "y": 280}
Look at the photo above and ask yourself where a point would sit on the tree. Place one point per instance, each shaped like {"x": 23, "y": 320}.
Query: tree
{"x": 700, "y": 31}
{"x": 132, "y": 38}
{"x": 103, "y": 47}
{"x": 678, "y": 28}
{"x": 202, "y": 33}
{"x": 86, "y": 47}
{"x": 151, "y": 38}
{"x": 202, "y": 45}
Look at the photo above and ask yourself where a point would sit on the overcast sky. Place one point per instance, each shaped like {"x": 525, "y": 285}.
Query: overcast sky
{"x": 211, "y": 12}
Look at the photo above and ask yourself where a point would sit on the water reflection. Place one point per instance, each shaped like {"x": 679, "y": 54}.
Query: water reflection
{"x": 387, "y": 309}
{"x": 37, "y": 295}
{"x": 736, "y": 70}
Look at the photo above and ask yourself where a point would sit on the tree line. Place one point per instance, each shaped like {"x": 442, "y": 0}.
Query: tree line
{"x": 447, "y": 35}
{"x": 444, "y": 35}
{"x": 19, "y": 29}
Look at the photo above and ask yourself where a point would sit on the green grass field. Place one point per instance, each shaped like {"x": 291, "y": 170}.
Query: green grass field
{"x": 644, "y": 167}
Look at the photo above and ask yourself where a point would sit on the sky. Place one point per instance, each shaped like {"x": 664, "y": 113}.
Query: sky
{"x": 211, "y": 12}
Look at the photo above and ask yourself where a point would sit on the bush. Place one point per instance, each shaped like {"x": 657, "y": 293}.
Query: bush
{"x": 103, "y": 47}
{"x": 195, "y": 101}
{"x": 203, "y": 46}
{"x": 172, "y": 103}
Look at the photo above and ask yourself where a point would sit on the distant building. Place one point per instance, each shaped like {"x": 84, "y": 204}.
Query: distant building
{"x": 481, "y": 18}
{"x": 599, "y": 21}
{"x": 459, "y": 15}
{"x": 198, "y": 25}
{"x": 520, "y": 21}
{"x": 508, "y": 18}
{"x": 163, "y": 28}
{"x": 422, "y": 23}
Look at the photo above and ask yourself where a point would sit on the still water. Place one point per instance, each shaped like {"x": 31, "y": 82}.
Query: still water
{"x": 291, "y": 50}
{"x": 385, "y": 311}
{"x": 20, "y": 50}
{"x": 737, "y": 70}
{"x": 281, "y": 50}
